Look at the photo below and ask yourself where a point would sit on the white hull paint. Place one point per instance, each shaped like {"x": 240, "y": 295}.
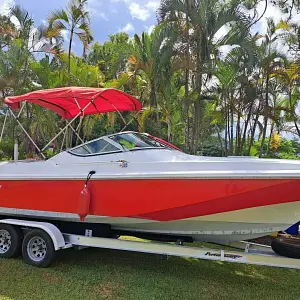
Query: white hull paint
{"x": 223, "y": 227}
{"x": 163, "y": 163}
{"x": 148, "y": 164}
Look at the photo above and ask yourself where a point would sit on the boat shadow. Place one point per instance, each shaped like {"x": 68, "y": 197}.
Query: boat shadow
{"x": 179, "y": 267}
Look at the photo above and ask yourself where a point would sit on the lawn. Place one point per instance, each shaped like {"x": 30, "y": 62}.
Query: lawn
{"x": 109, "y": 274}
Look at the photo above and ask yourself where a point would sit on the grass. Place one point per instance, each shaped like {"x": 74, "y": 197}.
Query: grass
{"x": 109, "y": 274}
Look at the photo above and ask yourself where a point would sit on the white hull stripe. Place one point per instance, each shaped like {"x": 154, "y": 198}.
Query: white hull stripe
{"x": 162, "y": 175}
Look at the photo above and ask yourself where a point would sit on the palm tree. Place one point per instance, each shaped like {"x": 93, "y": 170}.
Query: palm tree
{"x": 35, "y": 39}
{"x": 227, "y": 82}
{"x": 205, "y": 18}
{"x": 74, "y": 19}
{"x": 289, "y": 77}
{"x": 7, "y": 31}
{"x": 269, "y": 61}
{"x": 171, "y": 93}
{"x": 112, "y": 56}
{"x": 151, "y": 53}
{"x": 181, "y": 20}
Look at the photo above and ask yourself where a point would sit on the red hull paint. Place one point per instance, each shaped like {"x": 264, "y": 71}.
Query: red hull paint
{"x": 156, "y": 199}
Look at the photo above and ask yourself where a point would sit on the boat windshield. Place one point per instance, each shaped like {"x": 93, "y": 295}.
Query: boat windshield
{"x": 115, "y": 143}
{"x": 135, "y": 141}
{"x": 99, "y": 146}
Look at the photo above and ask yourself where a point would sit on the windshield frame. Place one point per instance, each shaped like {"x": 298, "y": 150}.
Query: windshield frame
{"x": 99, "y": 153}
{"x": 122, "y": 148}
{"x": 137, "y": 148}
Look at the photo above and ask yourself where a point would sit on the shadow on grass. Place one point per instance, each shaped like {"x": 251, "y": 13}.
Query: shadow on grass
{"x": 173, "y": 267}
{"x": 113, "y": 274}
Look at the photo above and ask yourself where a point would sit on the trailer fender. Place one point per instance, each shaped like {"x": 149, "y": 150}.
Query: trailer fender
{"x": 50, "y": 229}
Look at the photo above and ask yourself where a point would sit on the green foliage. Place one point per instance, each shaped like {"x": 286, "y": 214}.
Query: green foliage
{"x": 83, "y": 74}
{"x": 112, "y": 56}
{"x": 46, "y": 75}
{"x": 194, "y": 95}
{"x": 7, "y": 31}
{"x": 288, "y": 149}
{"x": 6, "y": 149}
{"x": 211, "y": 147}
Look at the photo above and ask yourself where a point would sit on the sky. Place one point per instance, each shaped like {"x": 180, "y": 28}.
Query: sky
{"x": 107, "y": 16}
{"x": 132, "y": 16}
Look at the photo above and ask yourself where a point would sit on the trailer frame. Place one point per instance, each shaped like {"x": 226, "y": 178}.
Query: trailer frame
{"x": 253, "y": 253}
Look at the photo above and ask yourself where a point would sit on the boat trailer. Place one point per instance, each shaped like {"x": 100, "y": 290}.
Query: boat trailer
{"x": 39, "y": 241}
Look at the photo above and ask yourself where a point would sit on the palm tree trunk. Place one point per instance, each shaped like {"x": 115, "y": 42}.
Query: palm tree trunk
{"x": 186, "y": 85}
{"x": 238, "y": 128}
{"x": 195, "y": 131}
{"x": 154, "y": 103}
{"x": 231, "y": 129}
{"x": 238, "y": 135}
{"x": 270, "y": 138}
{"x": 186, "y": 110}
{"x": 197, "y": 103}
{"x": 253, "y": 131}
{"x": 69, "y": 53}
{"x": 246, "y": 126}
{"x": 220, "y": 141}
{"x": 169, "y": 130}
{"x": 226, "y": 131}
{"x": 266, "y": 117}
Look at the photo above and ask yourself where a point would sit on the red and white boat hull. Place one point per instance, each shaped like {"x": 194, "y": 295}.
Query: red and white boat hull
{"x": 216, "y": 210}
{"x": 142, "y": 184}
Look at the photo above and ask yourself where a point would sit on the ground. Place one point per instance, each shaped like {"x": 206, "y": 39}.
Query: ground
{"x": 109, "y": 274}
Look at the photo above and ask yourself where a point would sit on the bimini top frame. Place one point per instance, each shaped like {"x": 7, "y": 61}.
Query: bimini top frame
{"x": 73, "y": 102}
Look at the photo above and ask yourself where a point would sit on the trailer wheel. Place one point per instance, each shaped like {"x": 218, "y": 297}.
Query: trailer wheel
{"x": 38, "y": 249}
{"x": 10, "y": 241}
{"x": 286, "y": 247}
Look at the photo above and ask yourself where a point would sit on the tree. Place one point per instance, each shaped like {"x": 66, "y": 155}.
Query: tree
{"x": 196, "y": 93}
{"x": 76, "y": 21}
{"x": 269, "y": 60}
{"x": 151, "y": 53}
{"x": 205, "y": 19}
{"x": 288, "y": 75}
{"x": 112, "y": 56}
{"x": 7, "y": 31}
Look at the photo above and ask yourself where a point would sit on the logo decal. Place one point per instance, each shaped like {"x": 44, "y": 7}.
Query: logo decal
{"x": 226, "y": 255}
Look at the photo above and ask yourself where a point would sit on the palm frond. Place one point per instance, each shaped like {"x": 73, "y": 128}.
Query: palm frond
{"x": 58, "y": 15}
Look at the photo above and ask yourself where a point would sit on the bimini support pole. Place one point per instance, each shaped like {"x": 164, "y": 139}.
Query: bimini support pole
{"x": 72, "y": 121}
{"x": 134, "y": 118}
{"x": 82, "y": 110}
{"x": 32, "y": 141}
{"x": 126, "y": 124}
{"x": 61, "y": 131}
{"x": 2, "y": 131}
{"x": 16, "y": 151}
{"x": 76, "y": 133}
{"x": 119, "y": 114}
{"x": 63, "y": 141}
{"x": 116, "y": 110}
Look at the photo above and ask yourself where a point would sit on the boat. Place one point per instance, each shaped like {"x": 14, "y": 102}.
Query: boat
{"x": 135, "y": 184}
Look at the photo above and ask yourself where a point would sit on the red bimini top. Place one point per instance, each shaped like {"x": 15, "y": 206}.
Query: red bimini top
{"x": 70, "y": 102}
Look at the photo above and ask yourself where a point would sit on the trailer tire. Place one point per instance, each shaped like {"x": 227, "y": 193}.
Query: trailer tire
{"x": 10, "y": 241}
{"x": 286, "y": 247}
{"x": 38, "y": 249}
